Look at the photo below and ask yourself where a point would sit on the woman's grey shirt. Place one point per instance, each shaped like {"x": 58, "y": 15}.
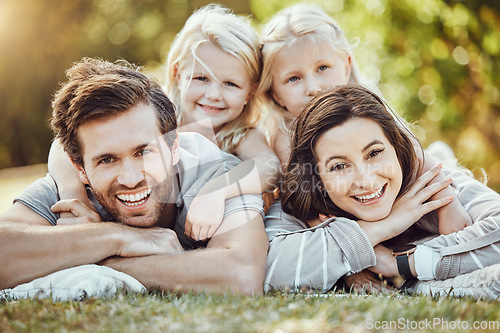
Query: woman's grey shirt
{"x": 316, "y": 258}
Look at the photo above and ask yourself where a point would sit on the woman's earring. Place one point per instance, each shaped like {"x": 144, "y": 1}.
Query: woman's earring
{"x": 245, "y": 102}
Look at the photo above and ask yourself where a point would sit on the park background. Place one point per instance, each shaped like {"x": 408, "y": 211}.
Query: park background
{"x": 437, "y": 63}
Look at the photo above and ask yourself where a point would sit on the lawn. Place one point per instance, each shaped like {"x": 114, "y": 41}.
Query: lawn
{"x": 156, "y": 312}
{"x": 271, "y": 313}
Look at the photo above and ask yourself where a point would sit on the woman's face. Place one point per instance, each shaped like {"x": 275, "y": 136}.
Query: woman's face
{"x": 216, "y": 88}
{"x": 359, "y": 168}
{"x": 304, "y": 68}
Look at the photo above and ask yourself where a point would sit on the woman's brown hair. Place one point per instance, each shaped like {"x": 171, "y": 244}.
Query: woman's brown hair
{"x": 302, "y": 193}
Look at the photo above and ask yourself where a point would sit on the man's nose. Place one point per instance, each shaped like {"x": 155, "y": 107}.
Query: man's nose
{"x": 132, "y": 173}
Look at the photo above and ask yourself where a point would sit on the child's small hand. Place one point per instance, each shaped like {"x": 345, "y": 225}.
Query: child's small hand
{"x": 73, "y": 211}
{"x": 205, "y": 216}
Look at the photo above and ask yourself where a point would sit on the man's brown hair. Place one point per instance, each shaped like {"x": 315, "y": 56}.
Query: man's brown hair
{"x": 98, "y": 89}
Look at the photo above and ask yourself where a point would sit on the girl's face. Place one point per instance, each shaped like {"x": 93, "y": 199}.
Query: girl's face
{"x": 304, "y": 68}
{"x": 217, "y": 87}
{"x": 359, "y": 168}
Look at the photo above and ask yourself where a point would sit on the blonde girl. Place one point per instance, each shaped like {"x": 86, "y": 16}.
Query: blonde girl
{"x": 212, "y": 72}
{"x": 304, "y": 51}
{"x": 213, "y": 69}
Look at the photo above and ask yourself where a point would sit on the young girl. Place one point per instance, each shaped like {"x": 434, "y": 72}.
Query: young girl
{"x": 213, "y": 69}
{"x": 352, "y": 159}
{"x": 304, "y": 51}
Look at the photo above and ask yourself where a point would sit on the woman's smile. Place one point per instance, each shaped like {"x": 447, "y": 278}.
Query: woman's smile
{"x": 359, "y": 168}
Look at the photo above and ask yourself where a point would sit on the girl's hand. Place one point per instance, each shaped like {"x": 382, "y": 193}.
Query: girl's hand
{"x": 409, "y": 208}
{"x": 366, "y": 281}
{"x": 73, "y": 211}
{"x": 205, "y": 215}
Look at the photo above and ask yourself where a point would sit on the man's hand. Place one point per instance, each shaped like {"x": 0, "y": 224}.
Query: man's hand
{"x": 73, "y": 211}
{"x": 366, "y": 281}
{"x": 144, "y": 242}
{"x": 205, "y": 215}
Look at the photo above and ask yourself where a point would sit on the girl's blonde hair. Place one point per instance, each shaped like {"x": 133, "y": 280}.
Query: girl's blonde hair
{"x": 288, "y": 26}
{"x": 232, "y": 34}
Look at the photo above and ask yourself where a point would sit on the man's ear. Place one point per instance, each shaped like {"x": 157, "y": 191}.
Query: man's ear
{"x": 175, "y": 150}
{"x": 81, "y": 173}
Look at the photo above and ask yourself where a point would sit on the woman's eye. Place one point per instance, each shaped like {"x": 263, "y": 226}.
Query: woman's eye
{"x": 322, "y": 68}
{"x": 200, "y": 78}
{"x": 293, "y": 79}
{"x": 337, "y": 167}
{"x": 375, "y": 152}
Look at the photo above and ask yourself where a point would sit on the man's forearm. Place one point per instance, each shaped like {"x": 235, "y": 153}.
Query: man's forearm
{"x": 28, "y": 252}
{"x": 234, "y": 261}
{"x": 204, "y": 270}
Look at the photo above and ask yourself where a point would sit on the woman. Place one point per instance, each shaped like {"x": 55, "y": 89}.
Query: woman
{"x": 352, "y": 160}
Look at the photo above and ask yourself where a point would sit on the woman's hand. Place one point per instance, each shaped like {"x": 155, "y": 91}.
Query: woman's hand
{"x": 386, "y": 262}
{"x": 409, "y": 207}
{"x": 452, "y": 217}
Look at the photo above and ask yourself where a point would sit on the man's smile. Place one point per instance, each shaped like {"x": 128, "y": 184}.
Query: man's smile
{"x": 135, "y": 199}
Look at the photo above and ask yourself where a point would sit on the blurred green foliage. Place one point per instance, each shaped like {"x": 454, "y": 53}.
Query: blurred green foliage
{"x": 436, "y": 61}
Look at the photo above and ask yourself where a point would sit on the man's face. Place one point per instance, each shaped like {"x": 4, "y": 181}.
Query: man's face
{"x": 128, "y": 165}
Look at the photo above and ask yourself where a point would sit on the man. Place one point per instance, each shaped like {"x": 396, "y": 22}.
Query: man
{"x": 119, "y": 129}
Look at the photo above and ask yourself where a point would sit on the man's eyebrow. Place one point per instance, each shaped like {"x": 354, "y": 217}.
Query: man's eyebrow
{"x": 100, "y": 157}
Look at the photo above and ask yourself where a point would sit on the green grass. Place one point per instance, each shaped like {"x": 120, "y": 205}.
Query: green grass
{"x": 228, "y": 313}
